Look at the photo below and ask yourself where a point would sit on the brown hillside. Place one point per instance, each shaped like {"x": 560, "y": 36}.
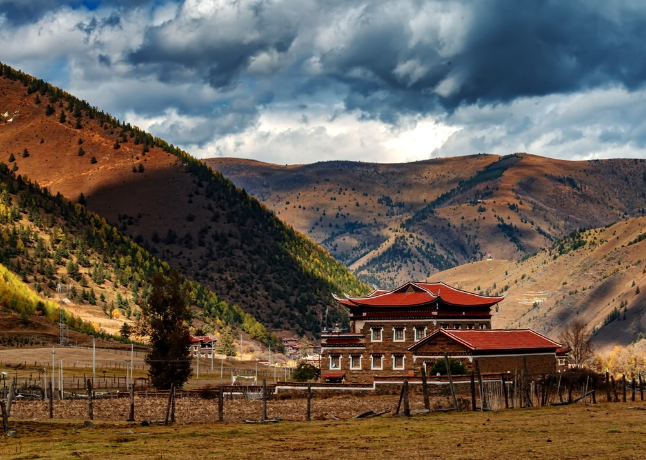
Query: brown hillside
{"x": 394, "y": 222}
{"x": 196, "y": 220}
{"x": 585, "y": 276}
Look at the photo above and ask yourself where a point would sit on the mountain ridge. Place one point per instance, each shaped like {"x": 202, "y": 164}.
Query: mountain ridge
{"x": 394, "y": 222}
{"x": 172, "y": 204}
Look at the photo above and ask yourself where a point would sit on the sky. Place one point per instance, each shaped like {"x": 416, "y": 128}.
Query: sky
{"x": 299, "y": 81}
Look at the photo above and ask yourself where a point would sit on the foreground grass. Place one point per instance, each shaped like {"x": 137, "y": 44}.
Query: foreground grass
{"x": 601, "y": 431}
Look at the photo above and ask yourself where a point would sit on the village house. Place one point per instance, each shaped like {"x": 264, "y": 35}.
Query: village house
{"x": 394, "y": 333}
{"x": 202, "y": 345}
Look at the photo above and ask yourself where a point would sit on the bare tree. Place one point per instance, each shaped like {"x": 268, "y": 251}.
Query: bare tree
{"x": 577, "y": 337}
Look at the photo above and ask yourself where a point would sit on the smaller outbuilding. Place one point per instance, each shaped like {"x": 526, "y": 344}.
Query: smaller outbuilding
{"x": 495, "y": 350}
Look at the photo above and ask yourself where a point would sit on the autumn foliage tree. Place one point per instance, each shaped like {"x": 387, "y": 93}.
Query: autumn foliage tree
{"x": 577, "y": 338}
{"x": 164, "y": 319}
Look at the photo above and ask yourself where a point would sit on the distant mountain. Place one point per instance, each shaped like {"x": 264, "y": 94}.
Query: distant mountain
{"x": 597, "y": 276}
{"x": 171, "y": 204}
{"x": 390, "y": 223}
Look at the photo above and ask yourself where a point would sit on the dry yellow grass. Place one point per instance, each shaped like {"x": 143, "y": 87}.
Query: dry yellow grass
{"x": 601, "y": 431}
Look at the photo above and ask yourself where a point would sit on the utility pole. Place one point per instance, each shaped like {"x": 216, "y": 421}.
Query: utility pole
{"x": 60, "y": 376}
{"x": 53, "y": 369}
{"x": 93, "y": 360}
{"x": 132, "y": 361}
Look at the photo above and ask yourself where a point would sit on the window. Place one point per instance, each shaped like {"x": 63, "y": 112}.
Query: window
{"x": 377, "y": 362}
{"x": 483, "y": 326}
{"x": 444, "y": 326}
{"x": 469, "y": 326}
{"x": 457, "y": 326}
{"x": 399, "y": 334}
{"x": 355, "y": 361}
{"x": 420, "y": 333}
{"x": 335, "y": 361}
{"x": 376, "y": 334}
{"x": 398, "y": 362}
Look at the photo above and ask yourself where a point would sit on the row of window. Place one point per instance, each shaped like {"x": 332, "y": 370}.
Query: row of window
{"x": 376, "y": 362}
{"x": 419, "y": 332}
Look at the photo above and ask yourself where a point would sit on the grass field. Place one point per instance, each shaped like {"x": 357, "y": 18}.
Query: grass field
{"x": 616, "y": 431}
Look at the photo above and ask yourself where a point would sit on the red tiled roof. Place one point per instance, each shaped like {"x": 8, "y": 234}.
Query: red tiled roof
{"x": 418, "y": 294}
{"x": 455, "y": 296}
{"x": 201, "y": 338}
{"x": 563, "y": 351}
{"x": 333, "y": 375}
{"x": 495, "y": 339}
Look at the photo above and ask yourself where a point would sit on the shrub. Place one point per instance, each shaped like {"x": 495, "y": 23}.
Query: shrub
{"x": 305, "y": 371}
{"x": 455, "y": 365}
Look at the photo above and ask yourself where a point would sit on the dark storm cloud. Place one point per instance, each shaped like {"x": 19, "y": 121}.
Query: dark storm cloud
{"x": 507, "y": 49}
{"x": 27, "y": 11}
{"x": 510, "y": 50}
{"x": 218, "y": 47}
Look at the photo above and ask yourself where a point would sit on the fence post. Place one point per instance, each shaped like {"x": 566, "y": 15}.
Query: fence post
{"x": 504, "y": 389}
{"x": 633, "y": 386}
{"x": 623, "y": 385}
{"x": 170, "y": 397}
{"x": 172, "y": 407}
{"x": 221, "y": 404}
{"x": 614, "y": 388}
{"x": 427, "y": 403}
{"x": 264, "y": 400}
{"x": 309, "y": 402}
{"x": 131, "y": 418}
{"x": 90, "y": 397}
{"x": 483, "y": 396}
{"x": 5, "y": 417}
{"x": 51, "y": 401}
{"x": 608, "y": 386}
{"x": 448, "y": 373}
{"x": 406, "y": 404}
{"x": 473, "y": 392}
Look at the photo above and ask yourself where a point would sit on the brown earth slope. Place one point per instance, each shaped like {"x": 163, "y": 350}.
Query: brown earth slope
{"x": 597, "y": 276}
{"x": 195, "y": 219}
{"x": 394, "y": 222}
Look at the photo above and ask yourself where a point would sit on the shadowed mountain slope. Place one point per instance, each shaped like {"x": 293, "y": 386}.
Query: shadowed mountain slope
{"x": 170, "y": 203}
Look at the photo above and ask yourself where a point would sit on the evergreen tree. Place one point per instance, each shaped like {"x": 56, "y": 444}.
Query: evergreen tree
{"x": 165, "y": 319}
{"x": 225, "y": 344}
{"x": 62, "y": 117}
{"x": 125, "y": 331}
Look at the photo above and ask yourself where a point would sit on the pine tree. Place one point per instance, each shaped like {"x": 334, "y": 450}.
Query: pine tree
{"x": 165, "y": 318}
{"x": 225, "y": 344}
{"x": 62, "y": 117}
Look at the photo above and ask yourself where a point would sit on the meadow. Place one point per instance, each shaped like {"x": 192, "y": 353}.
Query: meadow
{"x": 615, "y": 430}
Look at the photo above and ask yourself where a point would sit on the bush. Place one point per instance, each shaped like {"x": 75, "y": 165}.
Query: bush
{"x": 455, "y": 365}
{"x": 93, "y": 160}
{"x": 305, "y": 371}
